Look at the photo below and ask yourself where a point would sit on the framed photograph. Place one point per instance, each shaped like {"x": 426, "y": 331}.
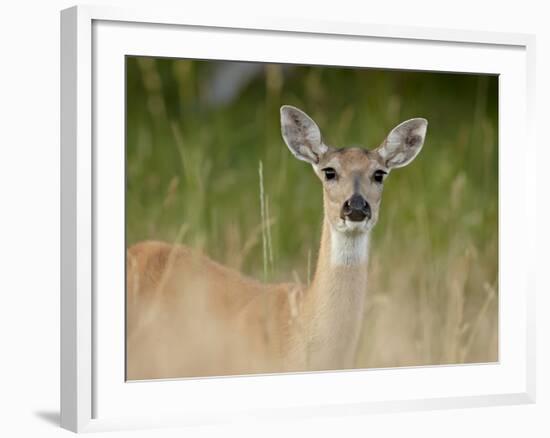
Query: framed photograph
{"x": 279, "y": 219}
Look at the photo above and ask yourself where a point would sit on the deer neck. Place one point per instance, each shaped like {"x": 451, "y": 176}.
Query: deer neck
{"x": 335, "y": 300}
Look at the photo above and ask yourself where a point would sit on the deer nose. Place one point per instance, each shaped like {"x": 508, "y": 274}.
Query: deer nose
{"x": 356, "y": 209}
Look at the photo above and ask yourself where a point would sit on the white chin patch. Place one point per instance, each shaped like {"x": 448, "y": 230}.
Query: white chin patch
{"x": 349, "y": 243}
{"x": 346, "y": 226}
{"x": 356, "y": 226}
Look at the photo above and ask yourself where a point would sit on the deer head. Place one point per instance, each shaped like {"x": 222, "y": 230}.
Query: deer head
{"x": 352, "y": 178}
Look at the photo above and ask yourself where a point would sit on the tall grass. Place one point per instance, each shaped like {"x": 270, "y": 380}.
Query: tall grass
{"x": 223, "y": 172}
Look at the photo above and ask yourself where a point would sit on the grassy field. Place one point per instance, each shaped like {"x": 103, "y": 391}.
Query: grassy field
{"x": 196, "y": 154}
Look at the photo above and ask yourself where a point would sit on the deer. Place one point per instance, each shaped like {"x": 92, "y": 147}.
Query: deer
{"x": 189, "y": 316}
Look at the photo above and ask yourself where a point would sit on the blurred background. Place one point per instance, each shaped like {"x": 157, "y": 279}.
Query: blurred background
{"x": 206, "y": 166}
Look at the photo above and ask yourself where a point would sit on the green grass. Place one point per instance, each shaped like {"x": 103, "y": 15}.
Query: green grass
{"x": 433, "y": 287}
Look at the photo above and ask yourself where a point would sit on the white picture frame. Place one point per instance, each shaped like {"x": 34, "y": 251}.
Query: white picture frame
{"x": 94, "y": 41}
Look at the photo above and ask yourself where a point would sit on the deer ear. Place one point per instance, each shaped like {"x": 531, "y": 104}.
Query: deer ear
{"x": 301, "y": 135}
{"x": 403, "y": 143}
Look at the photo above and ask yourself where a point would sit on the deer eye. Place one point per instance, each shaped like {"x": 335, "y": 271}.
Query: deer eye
{"x": 379, "y": 176}
{"x": 329, "y": 172}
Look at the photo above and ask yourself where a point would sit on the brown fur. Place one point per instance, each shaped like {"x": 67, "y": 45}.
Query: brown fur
{"x": 190, "y": 316}
{"x": 184, "y": 308}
